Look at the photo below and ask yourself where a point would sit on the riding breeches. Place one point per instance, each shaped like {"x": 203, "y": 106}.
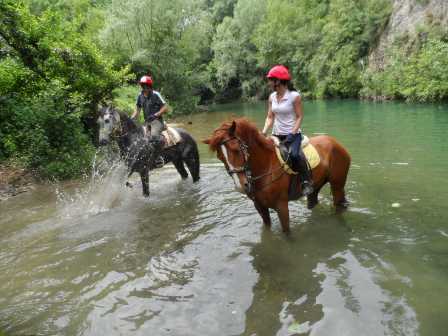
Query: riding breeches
{"x": 155, "y": 127}
{"x": 295, "y": 154}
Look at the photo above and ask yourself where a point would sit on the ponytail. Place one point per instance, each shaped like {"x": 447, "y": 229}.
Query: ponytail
{"x": 289, "y": 85}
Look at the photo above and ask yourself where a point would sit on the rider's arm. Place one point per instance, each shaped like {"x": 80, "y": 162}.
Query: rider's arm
{"x": 299, "y": 114}
{"x": 136, "y": 113}
{"x": 269, "y": 119}
{"x": 162, "y": 110}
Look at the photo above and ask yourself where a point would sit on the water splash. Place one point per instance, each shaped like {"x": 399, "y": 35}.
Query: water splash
{"x": 104, "y": 190}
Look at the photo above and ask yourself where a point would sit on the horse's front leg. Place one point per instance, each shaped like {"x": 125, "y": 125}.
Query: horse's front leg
{"x": 145, "y": 182}
{"x": 283, "y": 215}
{"x": 264, "y": 213}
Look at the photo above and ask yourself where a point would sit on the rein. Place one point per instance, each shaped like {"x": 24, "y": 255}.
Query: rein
{"x": 245, "y": 168}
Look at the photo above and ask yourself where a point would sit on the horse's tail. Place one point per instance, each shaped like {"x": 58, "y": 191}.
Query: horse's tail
{"x": 190, "y": 153}
{"x": 195, "y": 160}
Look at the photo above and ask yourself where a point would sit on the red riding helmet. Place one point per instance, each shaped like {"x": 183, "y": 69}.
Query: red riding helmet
{"x": 279, "y": 72}
{"x": 145, "y": 80}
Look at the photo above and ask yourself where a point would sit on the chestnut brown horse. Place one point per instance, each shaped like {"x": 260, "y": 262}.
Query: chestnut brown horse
{"x": 252, "y": 162}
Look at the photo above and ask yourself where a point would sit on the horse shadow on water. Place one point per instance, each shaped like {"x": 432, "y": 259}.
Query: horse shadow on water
{"x": 289, "y": 281}
{"x": 138, "y": 156}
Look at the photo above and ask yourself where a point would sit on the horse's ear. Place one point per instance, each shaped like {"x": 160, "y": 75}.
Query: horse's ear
{"x": 100, "y": 107}
{"x": 232, "y": 128}
{"x": 206, "y": 141}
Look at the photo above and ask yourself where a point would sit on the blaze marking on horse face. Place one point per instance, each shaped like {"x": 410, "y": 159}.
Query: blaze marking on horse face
{"x": 105, "y": 126}
{"x": 238, "y": 185}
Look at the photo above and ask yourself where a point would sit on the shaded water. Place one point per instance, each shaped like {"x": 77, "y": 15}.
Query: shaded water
{"x": 92, "y": 257}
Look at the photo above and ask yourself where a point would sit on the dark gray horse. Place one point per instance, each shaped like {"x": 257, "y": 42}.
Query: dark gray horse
{"x": 135, "y": 151}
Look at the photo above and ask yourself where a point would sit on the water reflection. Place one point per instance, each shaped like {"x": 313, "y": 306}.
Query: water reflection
{"x": 288, "y": 283}
{"x": 316, "y": 280}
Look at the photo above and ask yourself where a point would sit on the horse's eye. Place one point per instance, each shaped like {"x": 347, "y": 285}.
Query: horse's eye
{"x": 237, "y": 151}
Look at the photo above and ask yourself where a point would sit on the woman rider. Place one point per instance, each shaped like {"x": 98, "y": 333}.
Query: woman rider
{"x": 153, "y": 108}
{"x": 285, "y": 112}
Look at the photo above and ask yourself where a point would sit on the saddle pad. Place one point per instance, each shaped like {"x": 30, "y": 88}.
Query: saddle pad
{"x": 171, "y": 136}
{"x": 310, "y": 152}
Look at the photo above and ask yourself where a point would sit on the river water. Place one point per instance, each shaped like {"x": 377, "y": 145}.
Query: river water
{"x": 92, "y": 257}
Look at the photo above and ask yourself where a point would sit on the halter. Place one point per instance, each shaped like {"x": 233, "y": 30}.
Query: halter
{"x": 245, "y": 168}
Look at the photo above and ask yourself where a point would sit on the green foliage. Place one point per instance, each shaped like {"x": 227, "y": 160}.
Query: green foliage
{"x": 234, "y": 52}
{"x": 52, "y": 79}
{"x": 422, "y": 75}
{"x": 46, "y": 133}
{"x": 346, "y": 37}
{"x": 168, "y": 41}
{"x": 220, "y": 9}
{"x": 323, "y": 43}
{"x": 291, "y": 35}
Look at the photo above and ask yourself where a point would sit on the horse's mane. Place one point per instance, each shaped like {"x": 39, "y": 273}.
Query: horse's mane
{"x": 246, "y": 130}
{"x": 124, "y": 117}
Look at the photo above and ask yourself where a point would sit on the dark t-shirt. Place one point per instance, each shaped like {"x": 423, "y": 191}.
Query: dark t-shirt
{"x": 150, "y": 104}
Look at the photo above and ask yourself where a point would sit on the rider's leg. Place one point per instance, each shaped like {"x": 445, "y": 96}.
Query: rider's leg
{"x": 300, "y": 165}
{"x": 156, "y": 128}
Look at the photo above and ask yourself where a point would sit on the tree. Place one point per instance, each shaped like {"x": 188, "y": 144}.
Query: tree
{"x": 235, "y": 54}
{"x": 165, "y": 40}
{"x": 52, "y": 79}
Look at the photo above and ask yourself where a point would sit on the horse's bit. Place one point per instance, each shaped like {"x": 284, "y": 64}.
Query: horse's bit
{"x": 245, "y": 168}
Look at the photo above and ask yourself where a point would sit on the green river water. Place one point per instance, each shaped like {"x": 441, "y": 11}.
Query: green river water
{"x": 91, "y": 257}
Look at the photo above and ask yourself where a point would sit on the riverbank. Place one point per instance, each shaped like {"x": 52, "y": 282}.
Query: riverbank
{"x": 15, "y": 180}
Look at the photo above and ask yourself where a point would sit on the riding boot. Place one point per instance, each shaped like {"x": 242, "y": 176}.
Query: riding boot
{"x": 159, "y": 155}
{"x": 302, "y": 169}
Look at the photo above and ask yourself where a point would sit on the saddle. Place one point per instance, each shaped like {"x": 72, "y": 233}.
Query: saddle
{"x": 168, "y": 137}
{"x": 306, "y": 149}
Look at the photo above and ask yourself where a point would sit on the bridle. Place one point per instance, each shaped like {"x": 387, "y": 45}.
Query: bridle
{"x": 245, "y": 168}
{"x": 117, "y": 129}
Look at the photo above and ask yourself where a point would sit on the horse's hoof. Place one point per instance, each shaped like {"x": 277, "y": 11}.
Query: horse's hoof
{"x": 287, "y": 232}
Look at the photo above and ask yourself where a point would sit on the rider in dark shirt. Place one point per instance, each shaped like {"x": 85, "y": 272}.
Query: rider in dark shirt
{"x": 153, "y": 108}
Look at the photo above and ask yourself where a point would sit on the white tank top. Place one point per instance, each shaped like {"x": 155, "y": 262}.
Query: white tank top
{"x": 285, "y": 116}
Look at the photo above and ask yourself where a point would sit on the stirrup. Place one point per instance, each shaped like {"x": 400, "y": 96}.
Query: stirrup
{"x": 160, "y": 162}
{"x": 306, "y": 188}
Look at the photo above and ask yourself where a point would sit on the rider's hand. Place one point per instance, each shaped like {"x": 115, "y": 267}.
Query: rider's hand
{"x": 152, "y": 117}
{"x": 290, "y": 137}
{"x": 264, "y": 134}
{"x": 132, "y": 118}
